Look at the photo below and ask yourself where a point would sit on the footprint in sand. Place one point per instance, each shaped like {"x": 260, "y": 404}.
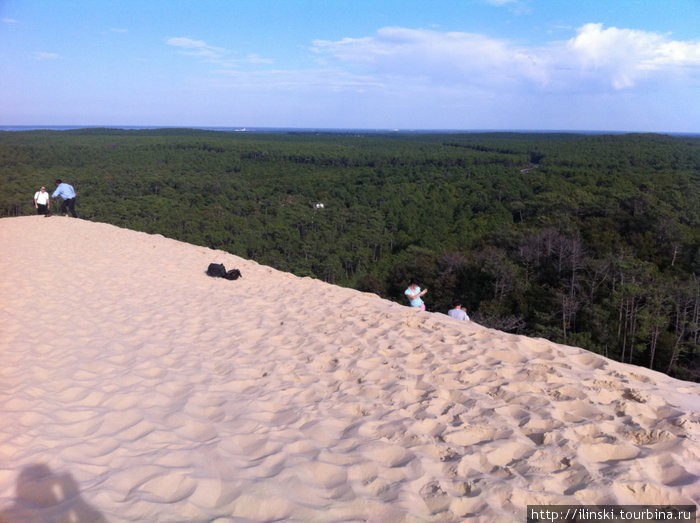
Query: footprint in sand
{"x": 576, "y": 411}
{"x": 323, "y": 475}
{"x": 648, "y": 493}
{"x": 325, "y": 362}
{"x": 642, "y": 436}
{"x": 435, "y": 497}
{"x": 540, "y": 429}
{"x": 387, "y": 454}
{"x": 588, "y": 360}
{"x": 508, "y": 452}
{"x": 429, "y": 426}
{"x": 602, "y": 452}
{"x": 666, "y": 470}
{"x": 470, "y": 435}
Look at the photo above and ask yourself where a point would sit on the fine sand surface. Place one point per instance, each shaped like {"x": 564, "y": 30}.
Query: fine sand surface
{"x": 133, "y": 387}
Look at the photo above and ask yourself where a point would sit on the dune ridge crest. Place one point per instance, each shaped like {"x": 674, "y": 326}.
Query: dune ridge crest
{"x": 134, "y": 387}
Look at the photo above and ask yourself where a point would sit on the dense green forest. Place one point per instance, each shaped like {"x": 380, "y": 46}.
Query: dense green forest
{"x": 588, "y": 240}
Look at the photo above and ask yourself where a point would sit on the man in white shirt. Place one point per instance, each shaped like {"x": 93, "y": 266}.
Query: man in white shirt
{"x": 457, "y": 312}
{"x": 42, "y": 201}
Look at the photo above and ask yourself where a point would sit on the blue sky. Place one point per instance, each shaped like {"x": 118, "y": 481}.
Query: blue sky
{"x": 610, "y": 65}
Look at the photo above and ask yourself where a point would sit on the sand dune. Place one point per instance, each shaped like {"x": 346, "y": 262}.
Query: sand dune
{"x": 134, "y": 387}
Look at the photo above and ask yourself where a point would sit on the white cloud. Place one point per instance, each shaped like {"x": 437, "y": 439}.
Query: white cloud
{"x": 626, "y": 56}
{"x": 196, "y": 47}
{"x": 617, "y": 58}
{"x": 452, "y": 57}
{"x": 257, "y": 59}
{"x": 316, "y": 80}
{"x": 514, "y": 6}
{"x": 10, "y": 21}
{"x": 45, "y": 56}
{"x": 218, "y": 55}
{"x": 597, "y": 79}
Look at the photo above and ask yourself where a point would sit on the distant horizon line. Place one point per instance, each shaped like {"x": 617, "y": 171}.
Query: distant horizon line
{"x": 262, "y": 129}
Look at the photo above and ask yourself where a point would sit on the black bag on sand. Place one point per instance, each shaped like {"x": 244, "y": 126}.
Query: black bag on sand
{"x": 217, "y": 270}
{"x": 233, "y": 274}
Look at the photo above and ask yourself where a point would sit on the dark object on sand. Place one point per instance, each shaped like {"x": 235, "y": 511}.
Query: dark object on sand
{"x": 217, "y": 270}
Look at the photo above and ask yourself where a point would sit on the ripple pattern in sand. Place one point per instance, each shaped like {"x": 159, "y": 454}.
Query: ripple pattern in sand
{"x": 212, "y": 399}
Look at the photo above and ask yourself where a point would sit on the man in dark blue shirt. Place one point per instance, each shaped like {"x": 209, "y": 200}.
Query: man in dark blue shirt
{"x": 66, "y": 192}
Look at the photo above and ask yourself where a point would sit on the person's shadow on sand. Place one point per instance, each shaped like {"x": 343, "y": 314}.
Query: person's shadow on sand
{"x": 43, "y": 496}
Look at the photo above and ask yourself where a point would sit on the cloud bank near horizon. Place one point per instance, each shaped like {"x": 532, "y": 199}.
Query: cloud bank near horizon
{"x": 398, "y": 63}
{"x": 513, "y": 67}
{"x": 610, "y": 58}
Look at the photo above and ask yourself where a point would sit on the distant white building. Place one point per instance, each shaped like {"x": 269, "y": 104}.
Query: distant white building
{"x": 319, "y": 205}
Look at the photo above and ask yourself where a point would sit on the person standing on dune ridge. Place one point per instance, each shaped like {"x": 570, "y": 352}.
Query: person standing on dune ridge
{"x": 42, "y": 202}
{"x": 66, "y": 192}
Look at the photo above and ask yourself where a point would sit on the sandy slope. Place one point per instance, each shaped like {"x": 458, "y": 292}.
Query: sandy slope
{"x": 134, "y": 387}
